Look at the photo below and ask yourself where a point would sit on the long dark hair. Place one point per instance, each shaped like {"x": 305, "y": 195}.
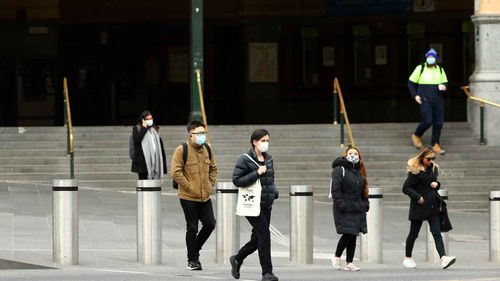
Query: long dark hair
{"x": 361, "y": 168}
{"x": 142, "y": 116}
{"x": 257, "y": 135}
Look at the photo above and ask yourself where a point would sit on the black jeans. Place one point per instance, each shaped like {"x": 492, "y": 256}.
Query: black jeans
{"x": 346, "y": 241}
{"x": 194, "y": 212}
{"x": 435, "y": 225}
{"x": 259, "y": 240}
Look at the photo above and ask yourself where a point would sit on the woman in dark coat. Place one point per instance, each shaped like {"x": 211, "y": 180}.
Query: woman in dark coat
{"x": 246, "y": 172}
{"x": 149, "y": 160}
{"x": 421, "y": 186}
{"x": 349, "y": 189}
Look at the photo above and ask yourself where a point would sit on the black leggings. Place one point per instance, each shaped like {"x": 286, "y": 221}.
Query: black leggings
{"x": 346, "y": 241}
{"x": 415, "y": 226}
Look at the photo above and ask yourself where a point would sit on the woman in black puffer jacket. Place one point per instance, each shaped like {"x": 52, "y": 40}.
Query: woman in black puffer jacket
{"x": 349, "y": 189}
{"x": 246, "y": 172}
{"x": 421, "y": 186}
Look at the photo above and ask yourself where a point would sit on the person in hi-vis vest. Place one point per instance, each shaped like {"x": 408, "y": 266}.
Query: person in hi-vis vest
{"x": 427, "y": 84}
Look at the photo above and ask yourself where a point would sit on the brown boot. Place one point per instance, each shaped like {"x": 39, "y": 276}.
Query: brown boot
{"x": 437, "y": 149}
{"x": 417, "y": 141}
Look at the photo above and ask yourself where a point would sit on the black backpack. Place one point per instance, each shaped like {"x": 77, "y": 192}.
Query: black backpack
{"x": 185, "y": 157}
{"x": 422, "y": 66}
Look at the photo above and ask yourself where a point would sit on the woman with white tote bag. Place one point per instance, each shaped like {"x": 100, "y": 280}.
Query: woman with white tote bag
{"x": 253, "y": 167}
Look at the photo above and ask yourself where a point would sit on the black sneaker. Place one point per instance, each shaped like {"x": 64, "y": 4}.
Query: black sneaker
{"x": 235, "y": 267}
{"x": 194, "y": 265}
{"x": 269, "y": 277}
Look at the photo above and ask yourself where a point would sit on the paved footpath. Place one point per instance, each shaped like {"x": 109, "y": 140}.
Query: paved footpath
{"x": 108, "y": 243}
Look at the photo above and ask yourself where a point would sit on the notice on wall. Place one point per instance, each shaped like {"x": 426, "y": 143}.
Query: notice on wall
{"x": 439, "y": 50}
{"x": 263, "y": 62}
{"x": 380, "y": 55}
{"x": 178, "y": 65}
{"x": 328, "y": 56}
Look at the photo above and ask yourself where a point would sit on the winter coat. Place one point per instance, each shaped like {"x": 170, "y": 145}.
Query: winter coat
{"x": 245, "y": 174}
{"x": 419, "y": 185}
{"x": 349, "y": 206}
{"x": 197, "y": 176}
{"x": 138, "y": 161}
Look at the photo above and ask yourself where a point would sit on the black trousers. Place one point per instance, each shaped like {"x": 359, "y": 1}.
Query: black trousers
{"x": 194, "y": 212}
{"x": 259, "y": 240}
{"x": 435, "y": 226}
{"x": 346, "y": 241}
{"x": 432, "y": 114}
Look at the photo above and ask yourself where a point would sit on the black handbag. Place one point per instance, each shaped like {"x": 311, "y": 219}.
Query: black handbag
{"x": 443, "y": 216}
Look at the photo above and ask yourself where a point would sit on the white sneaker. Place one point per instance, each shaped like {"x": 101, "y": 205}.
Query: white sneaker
{"x": 409, "y": 263}
{"x": 351, "y": 267}
{"x": 446, "y": 261}
{"x": 336, "y": 262}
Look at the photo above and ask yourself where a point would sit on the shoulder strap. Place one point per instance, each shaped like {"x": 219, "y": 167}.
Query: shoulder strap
{"x": 343, "y": 171}
{"x": 252, "y": 159}
{"x": 184, "y": 153}
{"x": 209, "y": 150}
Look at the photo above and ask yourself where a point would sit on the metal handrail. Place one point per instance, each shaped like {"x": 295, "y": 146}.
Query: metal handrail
{"x": 202, "y": 103}
{"x": 69, "y": 127}
{"x": 343, "y": 114}
{"x": 481, "y": 102}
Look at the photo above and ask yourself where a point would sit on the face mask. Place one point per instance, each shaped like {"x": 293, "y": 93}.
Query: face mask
{"x": 149, "y": 122}
{"x": 430, "y": 60}
{"x": 263, "y": 146}
{"x": 353, "y": 158}
{"x": 201, "y": 139}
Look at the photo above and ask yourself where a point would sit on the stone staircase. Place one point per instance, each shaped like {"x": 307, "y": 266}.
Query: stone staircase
{"x": 302, "y": 155}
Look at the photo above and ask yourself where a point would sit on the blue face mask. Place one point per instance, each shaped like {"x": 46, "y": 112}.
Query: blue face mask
{"x": 430, "y": 60}
{"x": 201, "y": 139}
{"x": 149, "y": 122}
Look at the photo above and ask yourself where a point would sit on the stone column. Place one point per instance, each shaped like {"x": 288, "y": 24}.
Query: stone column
{"x": 485, "y": 81}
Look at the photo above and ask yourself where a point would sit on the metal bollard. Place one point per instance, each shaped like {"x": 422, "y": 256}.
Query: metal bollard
{"x": 65, "y": 244}
{"x": 432, "y": 254}
{"x": 495, "y": 226}
{"x": 372, "y": 242}
{"x": 301, "y": 224}
{"x": 149, "y": 247}
{"x": 228, "y": 223}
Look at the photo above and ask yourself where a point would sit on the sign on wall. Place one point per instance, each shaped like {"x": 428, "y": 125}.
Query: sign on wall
{"x": 263, "y": 62}
{"x": 328, "y": 56}
{"x": 381, "y": 55}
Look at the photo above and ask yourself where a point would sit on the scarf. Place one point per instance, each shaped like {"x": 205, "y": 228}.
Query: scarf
{"x": 151, "y": 148}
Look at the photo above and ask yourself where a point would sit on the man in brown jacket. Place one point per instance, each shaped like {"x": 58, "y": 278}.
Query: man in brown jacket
{"x": 195, "y": 179}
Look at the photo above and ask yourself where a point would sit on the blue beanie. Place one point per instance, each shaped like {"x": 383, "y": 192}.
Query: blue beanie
{"x": 431, "y": 53}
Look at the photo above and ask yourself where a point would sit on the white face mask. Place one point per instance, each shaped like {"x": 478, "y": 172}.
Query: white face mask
{"x": 353, "y": 158}
{"x": 149, "y": 123}
{"x": 263, "y": 146}
{"x": 430, "y": 60}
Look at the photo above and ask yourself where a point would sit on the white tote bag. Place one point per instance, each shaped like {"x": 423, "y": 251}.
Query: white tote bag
{"x": 248, "y": 204}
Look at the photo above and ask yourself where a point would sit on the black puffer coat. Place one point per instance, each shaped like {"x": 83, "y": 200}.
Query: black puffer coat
{"x": 245, "y": 174}
{"x": 420, "y": 185}
{"x": 349, "y": 206}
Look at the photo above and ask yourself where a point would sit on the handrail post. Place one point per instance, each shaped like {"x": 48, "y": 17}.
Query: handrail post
{"x": 335, "y": 106}
{"x": 482, "y": 141}
{"x": 341, "y": 129}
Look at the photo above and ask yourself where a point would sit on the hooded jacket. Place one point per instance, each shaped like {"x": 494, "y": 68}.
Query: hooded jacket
{"x": 349, "y": 206}
{"x": 419, "y": 185}
{"x": 245, "y": 174}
